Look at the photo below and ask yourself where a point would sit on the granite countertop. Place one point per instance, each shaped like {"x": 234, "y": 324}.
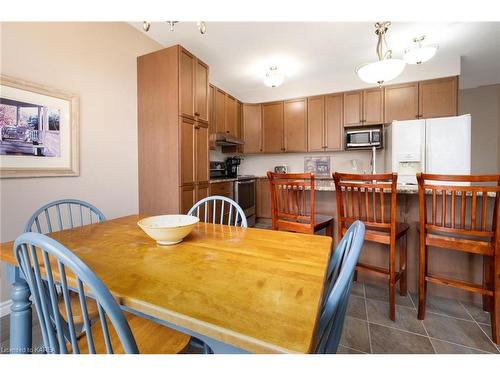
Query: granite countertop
{"x": 216, "y": 180}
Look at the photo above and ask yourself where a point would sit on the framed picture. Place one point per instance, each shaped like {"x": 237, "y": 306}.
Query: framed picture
{"x": 319, "y": 165}
{"x": 38, "y": 130}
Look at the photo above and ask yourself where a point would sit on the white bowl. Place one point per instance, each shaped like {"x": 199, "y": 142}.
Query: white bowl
{"x": 168, "y": 229}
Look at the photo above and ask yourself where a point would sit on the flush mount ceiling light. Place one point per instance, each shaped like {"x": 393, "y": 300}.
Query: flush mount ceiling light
{"x": 273, "y": 77}
{"x": 420, "y": 53}
{"x": 202, "y": 26}
{"x": 386, "y": 68}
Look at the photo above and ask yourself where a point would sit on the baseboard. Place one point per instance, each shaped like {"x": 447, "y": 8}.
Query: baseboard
{"x": 5, "y": 308}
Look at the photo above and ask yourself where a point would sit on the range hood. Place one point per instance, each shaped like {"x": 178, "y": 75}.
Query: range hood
{"x": 223, "y": 139}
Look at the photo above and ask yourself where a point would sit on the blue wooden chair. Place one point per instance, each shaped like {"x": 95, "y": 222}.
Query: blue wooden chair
{"x": 339, "y": 280}
{"x": 46, "y": 263}
{"x": 66, "y": 214}
{"x": 230, "y": 212}
{"x": 63, "y": 214}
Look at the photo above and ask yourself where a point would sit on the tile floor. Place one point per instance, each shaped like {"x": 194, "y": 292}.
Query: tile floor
{"x": 450, "y": 326}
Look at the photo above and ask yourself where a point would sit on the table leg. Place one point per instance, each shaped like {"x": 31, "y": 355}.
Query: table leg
{"x": 20, "y": 318}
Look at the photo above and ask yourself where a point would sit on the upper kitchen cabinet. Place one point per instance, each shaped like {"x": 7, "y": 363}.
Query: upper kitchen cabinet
{"x": 295, "y": 125}
{"x": 401, "y": 102}
{"x": 316, "y": 123}
{"x": 438, "y": 97}
{"x": 353, "y": 108}
{"x": 231, "y": 121}
{"x": 364, "y": 107}
{"x": 334, "y": 131}
{"x": 201, "y": 156}
{"x": 211, "y": 116}
{"x": 272, "y": 127}
{"x": 220, "y": 111}
{"x": 201, "y": 91}
{"x": 252, "y": 129}
{"x": 186, "y": 83}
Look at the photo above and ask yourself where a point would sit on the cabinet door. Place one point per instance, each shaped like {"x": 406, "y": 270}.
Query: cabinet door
{"x": 202, "y": 191}
{"x": 201, "y": 91}
{"x": 353, "y": 108}
{"x": 373, "y": 106}
{"x": 187, "y": 140}
{"x": 252, "y": 130}
{"x": 401, "y": 102}
{"x": 201, "y": 147}
{"x": 334, "y": 131}
{"x": 272, "y": 127}
{"x": 295, "y": 125}
{"x": 220, "y": 111}
{"x": 438, "y": 98}
{"x": 186, "y": 83}
{"x": 187, "y": 198}
{"x": 231, "y": 115}
{"x": 316, "y": 123}
{"x": 239, "y": 124}
{"x": 211, "y": 112}
{"x": 263, "y": 198}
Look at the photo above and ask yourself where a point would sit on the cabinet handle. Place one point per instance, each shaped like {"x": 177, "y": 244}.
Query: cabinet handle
{"x": 196, "y": 113}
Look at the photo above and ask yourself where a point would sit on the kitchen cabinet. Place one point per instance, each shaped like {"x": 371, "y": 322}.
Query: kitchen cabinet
{"x": 211, "y": 115}
{"x": 201, "y": 111}
{"x": 172, "y": 138}
{"x": 224, "y": 188}
{"x": 186, "y": 83}
{"x": 252, "y": 129}
{"x": 239, "y": 124}
{"x": 202, "y": 191}
{"x": 263, "y": 201}
{"x": 231, "y": 116}
{"x": 316, "y": 123}
{"x": 272, "y": 127}
{"x": 334, "y": 131}
{"x": 295, "y": 125}
{"x": 364, "y": 107}
{"x": 401, "y": 102}
{"x": 438, "y": 97}
{"x": 325, "y": 130}
{"x": 220, "y": 111}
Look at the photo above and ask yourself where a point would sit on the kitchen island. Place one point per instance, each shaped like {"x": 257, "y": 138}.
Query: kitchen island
{"x": 446, "y": 263}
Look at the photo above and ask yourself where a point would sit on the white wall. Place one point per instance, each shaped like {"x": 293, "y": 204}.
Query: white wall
{"x": 98, "y": 62}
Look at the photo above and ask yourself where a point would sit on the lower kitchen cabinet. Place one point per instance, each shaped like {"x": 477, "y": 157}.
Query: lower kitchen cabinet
{"x": 263, "y": 199}
{"x": 187, "y": 197}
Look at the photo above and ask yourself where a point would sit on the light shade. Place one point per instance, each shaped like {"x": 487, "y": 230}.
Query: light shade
{"x": 273, "y": 77}
{"x": 420, "y": 54}
{"x": 380, "y": 71}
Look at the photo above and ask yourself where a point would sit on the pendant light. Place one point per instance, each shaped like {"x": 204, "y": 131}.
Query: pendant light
{"x": 386, "y": 68}
{"x": 202, "y": 26}
{"x": 273, "y": 77}
{"x": 420, "y": 53}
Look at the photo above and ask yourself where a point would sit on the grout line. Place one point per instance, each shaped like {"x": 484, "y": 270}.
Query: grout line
{"x": 423, "y": 325}
{"x": 463, "y": 346}
{"x": 474, "y": 320}
{"x": 367, "y": 320}
{"x": 357, "y": 350}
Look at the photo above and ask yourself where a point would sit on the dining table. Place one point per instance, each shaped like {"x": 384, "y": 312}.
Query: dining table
{"x": 239, "y": 290}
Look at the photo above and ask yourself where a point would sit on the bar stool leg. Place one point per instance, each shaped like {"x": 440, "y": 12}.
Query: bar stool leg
{"x": 487, "y": 282}
{"x": 422, "y": 284}
{"x": 392, "y": 283}
{"x": 403, "y": 262}
{"x": 495, "y": 300}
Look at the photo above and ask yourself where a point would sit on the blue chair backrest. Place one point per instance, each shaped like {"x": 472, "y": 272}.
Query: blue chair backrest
{"x": 230, "y": 212}
{"x": 63, "y": 214}
{"x": 339, "y": 280}
{"x": 46, "y": 263}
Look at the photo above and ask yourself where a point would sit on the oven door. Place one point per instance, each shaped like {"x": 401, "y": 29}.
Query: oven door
{"x": 244, "y": 194}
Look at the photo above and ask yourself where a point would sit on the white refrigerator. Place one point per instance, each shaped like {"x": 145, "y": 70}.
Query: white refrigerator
{"x": 439, "y": 146}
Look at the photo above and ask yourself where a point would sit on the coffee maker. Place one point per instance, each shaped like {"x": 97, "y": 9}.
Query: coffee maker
{"x": 232, "y": 164}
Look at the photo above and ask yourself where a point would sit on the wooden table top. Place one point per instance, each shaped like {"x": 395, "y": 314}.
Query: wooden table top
{"x": 257, "y": 289}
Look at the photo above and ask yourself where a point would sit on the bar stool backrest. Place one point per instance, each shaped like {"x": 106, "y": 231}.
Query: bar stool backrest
{"x": 362, "y": 197}
{"x": 449, "y": 211}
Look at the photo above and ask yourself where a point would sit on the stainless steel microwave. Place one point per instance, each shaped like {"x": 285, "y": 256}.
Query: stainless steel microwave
{"x": 363, "y": 138}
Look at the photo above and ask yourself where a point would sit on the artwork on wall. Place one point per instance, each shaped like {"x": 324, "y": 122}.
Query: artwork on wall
{"x": 319, "y": 165}
{"x": 38, "y": 130}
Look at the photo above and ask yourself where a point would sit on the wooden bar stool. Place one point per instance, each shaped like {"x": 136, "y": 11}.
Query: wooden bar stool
{"x": 292, "y": 204}
{"x": 362, "y": 197}
{"x": 449, "y": 220}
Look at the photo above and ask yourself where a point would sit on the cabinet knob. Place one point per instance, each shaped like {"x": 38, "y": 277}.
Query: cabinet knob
{"x": 196, "y": 113}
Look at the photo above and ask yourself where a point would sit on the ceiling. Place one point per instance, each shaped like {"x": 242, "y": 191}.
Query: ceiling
{"x": 320, "y": 57}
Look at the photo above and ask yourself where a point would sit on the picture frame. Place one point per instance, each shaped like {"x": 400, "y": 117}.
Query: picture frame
{"x": 39, "y": 130}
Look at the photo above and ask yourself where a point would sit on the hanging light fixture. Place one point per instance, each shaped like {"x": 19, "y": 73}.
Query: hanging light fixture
{"x": 202, "y": 26}
{"x": 386, "y": 68}
{"x": 273, "y": 77}
{"x": 420, "y": 53}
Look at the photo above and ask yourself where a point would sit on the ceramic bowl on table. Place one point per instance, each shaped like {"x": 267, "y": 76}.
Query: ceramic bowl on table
{"x": 168, "y": 229}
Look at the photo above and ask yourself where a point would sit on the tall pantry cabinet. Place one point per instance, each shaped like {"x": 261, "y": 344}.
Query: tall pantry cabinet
{"x": 173, "y": 119}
